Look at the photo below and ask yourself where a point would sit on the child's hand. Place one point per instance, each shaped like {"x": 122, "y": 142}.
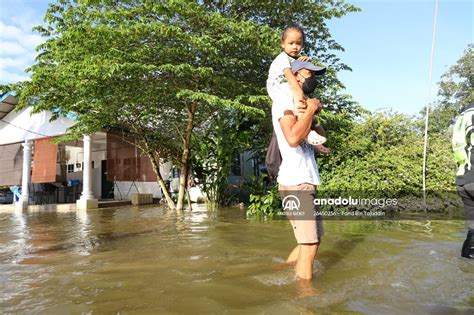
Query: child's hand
{"x": 304, "y": 58}
{"x": 313, "y": 104}
{"x": 301, "y": 107}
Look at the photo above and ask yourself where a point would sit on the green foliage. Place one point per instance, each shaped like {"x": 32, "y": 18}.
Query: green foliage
{"x": 257, "y": 185}
{"x": 381, "y": 156}
{"x": 138, "y": 65}
{"x": 441, "y": 118}
{"x": 382, "y": 152}
{"x": 265, "y": 205}
{"x": 215, "y": 144}
{"x": 264, "y": 200}
{"x": 456, "y": 89}
{"x": 457, "y": 85}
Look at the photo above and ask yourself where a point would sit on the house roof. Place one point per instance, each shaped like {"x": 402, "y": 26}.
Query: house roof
{"x": 8, "y": 101}
{"x": 18, "y": 126}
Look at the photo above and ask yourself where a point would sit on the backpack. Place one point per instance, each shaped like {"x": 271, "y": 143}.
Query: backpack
{"x": 273, "y": 157}
{"x": 462, "y": 140}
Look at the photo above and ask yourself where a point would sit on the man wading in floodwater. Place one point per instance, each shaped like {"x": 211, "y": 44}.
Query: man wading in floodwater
{"x": 298, "y": 173}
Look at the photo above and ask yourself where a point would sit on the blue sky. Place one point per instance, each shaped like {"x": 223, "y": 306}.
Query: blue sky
{"x": 387, "y": 45}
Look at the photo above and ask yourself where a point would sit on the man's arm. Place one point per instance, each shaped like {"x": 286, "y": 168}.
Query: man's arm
{"x": 294, "y": 130}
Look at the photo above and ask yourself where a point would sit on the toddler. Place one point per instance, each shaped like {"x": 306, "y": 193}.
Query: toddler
{"x": 281, "y": 78}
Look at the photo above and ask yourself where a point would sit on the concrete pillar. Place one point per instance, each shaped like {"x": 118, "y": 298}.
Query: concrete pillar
{"x": 87, "y": 200}
{"x": 22, "y": 204}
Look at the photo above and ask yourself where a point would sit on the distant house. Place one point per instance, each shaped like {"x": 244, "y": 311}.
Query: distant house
{"x": 57, "y": 172}
{"x": 99, "y": 166}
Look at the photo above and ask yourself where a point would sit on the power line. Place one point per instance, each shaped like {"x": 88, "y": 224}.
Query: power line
{"x": 30, "y": 131}
{"x": 429, "y": 99}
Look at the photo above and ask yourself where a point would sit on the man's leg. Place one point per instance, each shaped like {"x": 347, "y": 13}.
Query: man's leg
{"x": 284, "y": 191}
{"x": 467, "y": 195}
{"x": 293, "y": 255}
{"x": 304, "y": 263}
{"x": 306, "y": 228}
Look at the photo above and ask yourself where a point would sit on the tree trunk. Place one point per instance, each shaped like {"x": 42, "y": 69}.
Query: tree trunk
{"x": 183, "y": 177}
{"x": 161, "y": 182}
{"x": 188, "y": 197}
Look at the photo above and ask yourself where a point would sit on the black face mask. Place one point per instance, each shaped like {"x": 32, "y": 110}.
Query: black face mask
{"x": 309, "y": 84}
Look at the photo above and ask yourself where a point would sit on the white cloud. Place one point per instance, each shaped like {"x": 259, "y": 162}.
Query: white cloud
{"x": 10, "y": 31}
{"x": 17, "y": 50}
{"x": 12, "y": 77}
{"x": 24, "y": 38}
{"x": 11, "y": 48}
{"x": 18, "y": 42}
{"x": 15, "y": 62}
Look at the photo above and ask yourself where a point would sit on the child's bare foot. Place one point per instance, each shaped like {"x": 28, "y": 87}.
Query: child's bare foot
{"x": 321, "y": 148}
{"x": 314, "y": 138}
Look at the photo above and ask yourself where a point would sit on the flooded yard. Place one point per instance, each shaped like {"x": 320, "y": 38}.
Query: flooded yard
{"x": 152, "y": 260}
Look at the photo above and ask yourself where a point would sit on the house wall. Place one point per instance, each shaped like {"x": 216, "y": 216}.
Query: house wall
{"x": 125, "y": 188}
{"x": 96, "y": 180}
{"x": 38, "y": 123}
{"x": 76, "y": 155}
{"x": 128, "y": 188}
{"x": 40, "y": 126}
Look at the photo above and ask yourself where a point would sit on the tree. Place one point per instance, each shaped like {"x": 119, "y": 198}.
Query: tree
{"x": 457, "y": 85}
{"x": 153, "y": 70}
{"x": 157, "y": 70}
{"x": 456, "y": 89}
{"x": 215, "y": 147}
{"x": 380, "y": 155}
{"x": 312, "y": 17}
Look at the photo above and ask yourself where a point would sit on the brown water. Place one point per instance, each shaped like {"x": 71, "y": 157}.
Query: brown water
{"x": 149, "y": 260}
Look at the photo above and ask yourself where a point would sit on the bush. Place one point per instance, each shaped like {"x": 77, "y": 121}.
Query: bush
{"x": 266, "y": 205}
{"x": 382, "y": 156}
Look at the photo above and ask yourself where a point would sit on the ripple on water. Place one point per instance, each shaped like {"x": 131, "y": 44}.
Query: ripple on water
{"x": 277, "y": 279}
{"x": 141, "y": 259}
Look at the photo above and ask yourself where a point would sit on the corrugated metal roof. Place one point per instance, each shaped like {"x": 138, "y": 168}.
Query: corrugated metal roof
{"x": 8, "y": 101}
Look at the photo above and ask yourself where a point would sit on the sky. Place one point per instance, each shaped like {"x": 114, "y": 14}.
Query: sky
{"x": 387, "y": 44}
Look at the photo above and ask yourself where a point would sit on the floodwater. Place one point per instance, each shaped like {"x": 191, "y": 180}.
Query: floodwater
{"x": 154, "y": 261}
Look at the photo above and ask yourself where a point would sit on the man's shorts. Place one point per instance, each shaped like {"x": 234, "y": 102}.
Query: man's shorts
{"x": 298, "y": 204}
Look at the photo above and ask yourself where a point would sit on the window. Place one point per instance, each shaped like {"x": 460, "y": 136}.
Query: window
{"x": 70, "y": 168}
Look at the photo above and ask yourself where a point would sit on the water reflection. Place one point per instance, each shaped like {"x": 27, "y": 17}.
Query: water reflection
{"x": 19, "y": 248}
{"x": 148, "y": 260}
{"x": 85, "y": 245}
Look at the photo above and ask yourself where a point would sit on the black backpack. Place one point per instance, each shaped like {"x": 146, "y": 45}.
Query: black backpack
{"x": 273, "y": 158}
